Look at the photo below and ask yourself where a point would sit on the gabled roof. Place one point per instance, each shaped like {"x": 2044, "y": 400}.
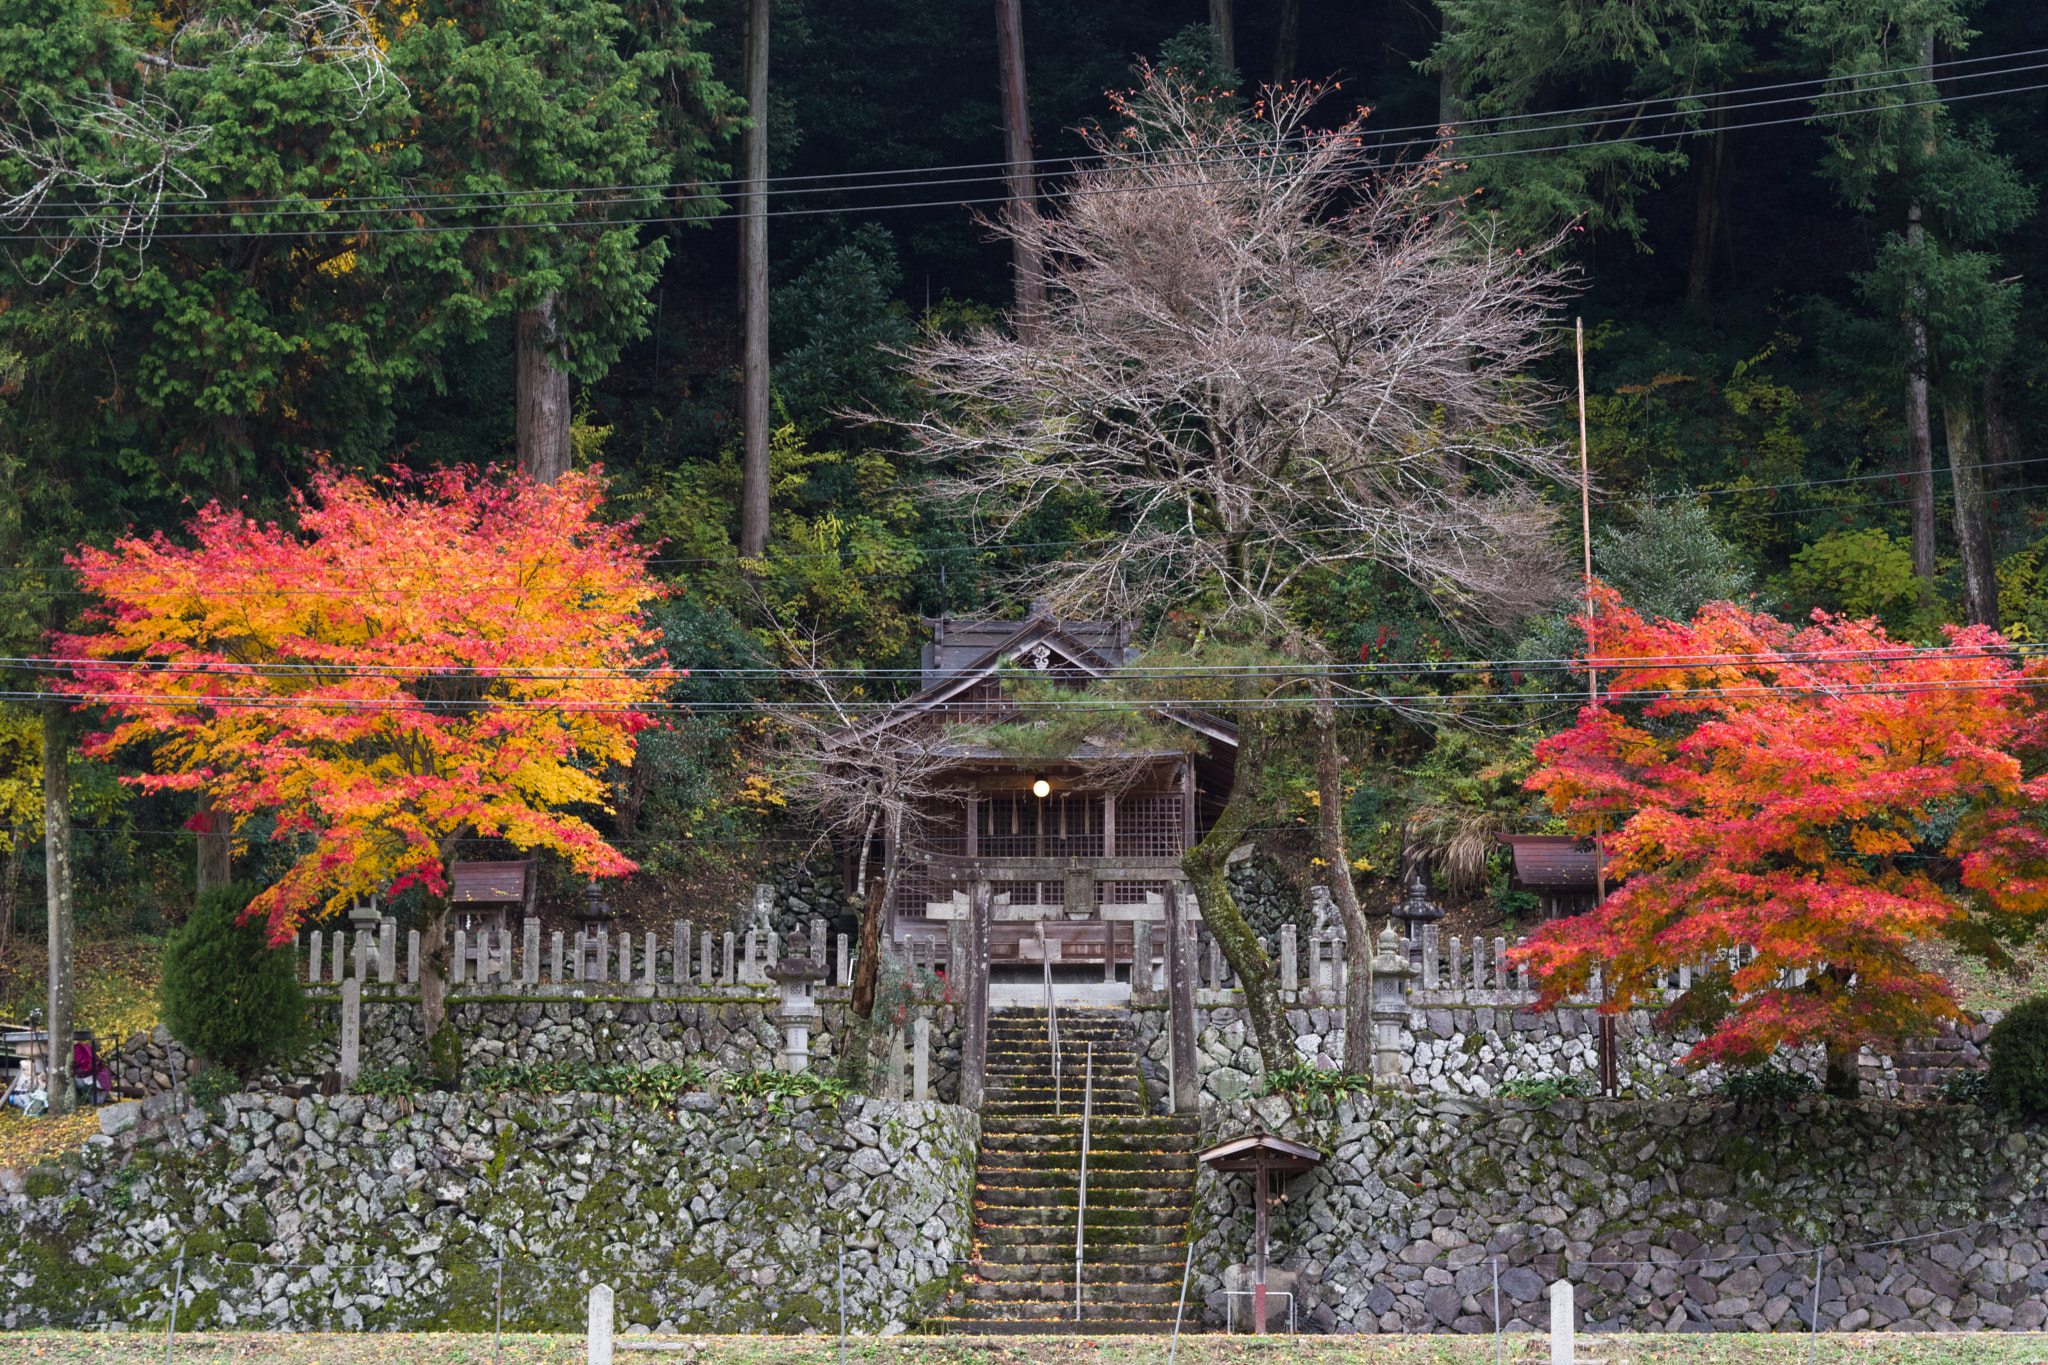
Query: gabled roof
{"x": 1041, "y": 640}
{"x": 1554, "y": 862}
{"x": 1260, "y": 1149}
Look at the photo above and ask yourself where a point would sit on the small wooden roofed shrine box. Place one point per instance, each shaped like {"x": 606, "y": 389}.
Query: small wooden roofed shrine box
{"x": 1071, "y": 860}
{"x": 1264, "y": 1156}
{"x": 484, "y": 894}
{"x": 1561, "y": 870}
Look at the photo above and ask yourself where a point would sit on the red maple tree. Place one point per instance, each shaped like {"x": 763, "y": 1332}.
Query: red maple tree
{"x": 420, "y": 661}
{"x": 1790, "y": 809}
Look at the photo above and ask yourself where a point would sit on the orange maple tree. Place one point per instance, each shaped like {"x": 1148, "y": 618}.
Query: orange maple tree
{"x": 1791, "y": 810}
{"x": 418, "y": 661}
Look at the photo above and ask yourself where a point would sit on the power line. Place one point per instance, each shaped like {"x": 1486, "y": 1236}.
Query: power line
{"x": 1531, "y": 122}
{"x": 1064, "y": 192}
{"x": 1190, "y": 157}
{"x": 1890, "y": 654}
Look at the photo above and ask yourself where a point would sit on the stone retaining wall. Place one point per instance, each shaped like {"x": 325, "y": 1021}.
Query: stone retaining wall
{"x": 724, "y": 1031}
{"x": 1639, "y": 1205}
{"x": 724, "y": 1215}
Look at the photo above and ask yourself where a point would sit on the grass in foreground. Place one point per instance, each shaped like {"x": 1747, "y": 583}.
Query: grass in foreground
{"x": 262, "y": 1348}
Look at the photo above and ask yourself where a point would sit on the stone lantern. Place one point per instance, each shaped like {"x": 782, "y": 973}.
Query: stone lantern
{"x": 593, "y": 919}
{"x": 1391, "y": 971}
{"x": 797, "y": 977}
{"x": 1415, "y": 913}
{"x": 364, "y": 913}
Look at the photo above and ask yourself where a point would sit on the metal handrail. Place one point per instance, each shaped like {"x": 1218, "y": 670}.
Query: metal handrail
{"x": 1081, "y": 1206}
{"x": 1052, "y": 1018}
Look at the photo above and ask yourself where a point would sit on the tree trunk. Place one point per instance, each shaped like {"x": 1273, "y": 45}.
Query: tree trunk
{"x": 1844, "y": 1078}
{"x": 866, "y": 957}
{"x": 1709, "y": 214}
{"x": 1206, "y": 865}
{"x": 1358, "y": 1046}
{"x": 1450, "y": 101}
{"x": 2001, "y": 436}
{"x": 1973, "y": 531}
{"x": 1022, "y": 175}
{"x": 1287, "y": 46}
{"x": 215, "y": 862}
{"x": 9, "y": 894}
{"x": 1920, "y": 441}
{"x": 440, "y": 1046}
{"x": 754, "y": 407}
{"x": 542, "y": 427}
{"x": 1225, "y": 24}
{"x": 57, "y": 881}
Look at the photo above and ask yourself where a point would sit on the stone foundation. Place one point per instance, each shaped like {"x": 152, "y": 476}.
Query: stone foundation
{"x": 1642, "y": 1206}
{"x": 722, "y": 1216}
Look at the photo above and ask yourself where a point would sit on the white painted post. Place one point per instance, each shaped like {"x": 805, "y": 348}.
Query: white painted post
{"x": 1561, "y": 1315}
{"x": 600, "y": 1333}
{"x": 351, "y": 1029}
{"x": 412, "y": 956}
{"x": 921, "y": 1059}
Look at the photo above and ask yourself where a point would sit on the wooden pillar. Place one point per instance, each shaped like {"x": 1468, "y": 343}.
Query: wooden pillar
{"x": 1259, "y": 1259}
{"x": 1187, "y": 805}
{"x": 1180, "y": 993}
{"x": 974, "y": 1047}
{"x": 1109, "y": 826}
{"x": 973, "y": 825}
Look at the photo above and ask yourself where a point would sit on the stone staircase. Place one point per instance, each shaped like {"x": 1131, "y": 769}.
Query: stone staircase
{"x": 1141, "y": 1178}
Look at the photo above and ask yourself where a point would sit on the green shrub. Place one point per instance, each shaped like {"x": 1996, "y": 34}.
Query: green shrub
{"x": 783, "y": 1084}
{"x": 662, "y": 1083}
{"x": 1766, "y": 1086}
{"x": 209, "y": 1086}
{"x": 389, "y": 1082}
{"x": 1312, "y": 1082}
{"x": 227, "y": 994}
{"x": 1544, "y": 1089}
{"x": 2019, "y": 1058}
{"x": 1966, "y": 1087}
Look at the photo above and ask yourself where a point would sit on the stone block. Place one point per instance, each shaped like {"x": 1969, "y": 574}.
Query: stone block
{"x": 119, "y": 1118}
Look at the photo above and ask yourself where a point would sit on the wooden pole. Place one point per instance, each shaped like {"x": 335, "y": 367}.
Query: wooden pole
{"x": 1607, "y": 1041}
{"x": 1259, "y": 1260}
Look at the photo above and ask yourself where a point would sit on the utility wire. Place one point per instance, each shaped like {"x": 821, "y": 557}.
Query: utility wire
{"x": 1529, "y": 122}
{"x": 559, "y": 198}
{"x": 1454, "y": 162}
{"x": 1817, "y": 509}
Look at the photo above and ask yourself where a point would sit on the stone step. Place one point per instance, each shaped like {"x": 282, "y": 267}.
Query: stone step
{"x": 1099, "y": 1197}
{"x": 1103, "y": 1243}
{"x": 1067, "y": 1106}
{"x": 1050, "y": 1291}
{"x": 1166, "y": 1272}
{"x": 1052, "y": 1310}
{"x": 1044, "y": 1176}
{"x": 1002, "y": 1088}
{"x": 1156, "y": 1126}
{"x": 1123, "y": 1254}
{"x": 1106, "y": 1327}
{"x": 1041, "y": 1224}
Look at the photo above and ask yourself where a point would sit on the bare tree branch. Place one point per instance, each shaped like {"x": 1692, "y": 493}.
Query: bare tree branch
{"x": 1265, "y": 358}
